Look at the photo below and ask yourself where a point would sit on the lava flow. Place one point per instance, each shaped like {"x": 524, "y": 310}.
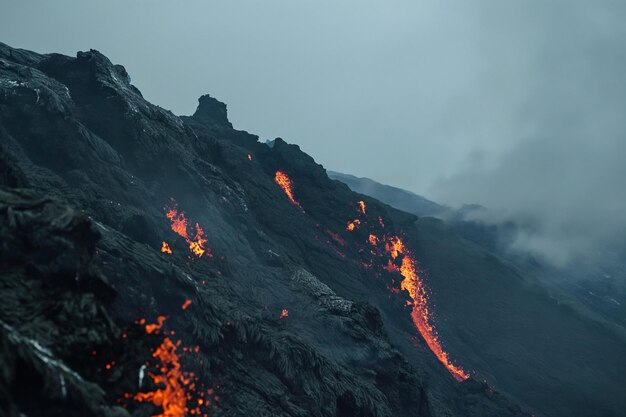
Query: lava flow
{"x": 353, "y": 225}
{"x": 180, "y": 224}
{"x": 361, "y": 206}
{"x": 284, "y": 182}
{"x": 420, "y": 313}
{"x": 176, "y": 391}
{"x": 165, "y": 248}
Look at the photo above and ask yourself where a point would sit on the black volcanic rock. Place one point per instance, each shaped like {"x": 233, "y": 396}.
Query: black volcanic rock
{"x": 82, "y": 263}
{"x": 53, "y": 310}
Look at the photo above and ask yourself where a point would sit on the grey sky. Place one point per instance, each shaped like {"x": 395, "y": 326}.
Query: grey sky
{"x": 518, "y": 105}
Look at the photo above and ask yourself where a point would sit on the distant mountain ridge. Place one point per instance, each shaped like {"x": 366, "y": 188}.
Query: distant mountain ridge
{"x": 396, "y": 197}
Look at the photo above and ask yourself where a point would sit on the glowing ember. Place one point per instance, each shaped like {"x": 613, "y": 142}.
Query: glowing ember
{"x": 284, "y": 313}
{"x": 361, "y": 206}
{"x": 353, "y": 225}
{"x": 373, "y": 240}
{"x": 151, "y": 328}
{"x": 175, "y": 390}
{"x": 165, "y": 248}
{"x": 186, "y": 304}
{"x": 180, "y": 225}
{"x": 420, "y": 312}
{"x": 284, "y": 182}
{"x": 394, "y": 247}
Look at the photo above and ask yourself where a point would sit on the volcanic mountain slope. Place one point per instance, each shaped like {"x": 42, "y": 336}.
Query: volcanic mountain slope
{"x": 161, "y": 265}
{"x": 516, "y": 319}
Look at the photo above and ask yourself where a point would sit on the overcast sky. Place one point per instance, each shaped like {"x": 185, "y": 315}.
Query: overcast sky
{"x": 519, "y": 105}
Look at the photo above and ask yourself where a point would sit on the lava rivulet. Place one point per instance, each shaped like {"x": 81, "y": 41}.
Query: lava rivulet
{"x": 180, "y": 225}
{"x": 353, "y": 225}
{"x": 165, "y": 248}
{"x": 420, "y": 312}
{"x": 397, "y": 259}
{"x": 284, "y": 182}
{"x": 176, "y": 392}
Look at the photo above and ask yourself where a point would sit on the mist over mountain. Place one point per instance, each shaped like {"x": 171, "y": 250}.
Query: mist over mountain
{"x": 567, "y": 196}
{"x": 560, "y": 175}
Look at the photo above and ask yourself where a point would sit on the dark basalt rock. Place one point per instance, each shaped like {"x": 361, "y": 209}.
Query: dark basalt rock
{"x": 52, "y": 311}
{"x": 81, "y": 262}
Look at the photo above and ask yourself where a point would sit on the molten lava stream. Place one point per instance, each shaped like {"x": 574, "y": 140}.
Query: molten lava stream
{"x": 175, "y": 391}
{"x": 420, "y": 313}
{"x": 179, "y": 225}
{"x": 284, "y": 182}
{"x": 361, "y": 205}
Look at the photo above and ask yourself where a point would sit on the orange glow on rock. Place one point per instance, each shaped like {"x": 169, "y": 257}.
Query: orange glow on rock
{"x": 284, "y": 182}
{"x": 394, "y": 247}
{"x": 373, "y": 240}
{"x": 186, "y": 304}
{"x": 151, "y": 328}
{"x": 361, "y": 206}
{"x": 354, "y": 224}
{"x": 165, "y": 248}
{"x": 420, "y": 312}
{"x": 175, "y": 390}
{"x": 180, "y": 225}
{"x": 172, "y": 397}
{"x": 284, "y": 313}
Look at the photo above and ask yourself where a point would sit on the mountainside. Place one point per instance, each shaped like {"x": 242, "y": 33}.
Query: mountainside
{"x": 153, "y": 262}
{"x": 161, "y": 265}
{"x": 555, "y": 337}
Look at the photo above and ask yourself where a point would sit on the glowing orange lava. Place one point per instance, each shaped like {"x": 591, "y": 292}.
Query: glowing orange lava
{"x": 165, "y": 248}
{"x": 353, "y": 225}
{"x": 284, "y": 182}
{"x": 186, "y": 304}
{"x": 420, "y": 313}
{"x": 151, "y": 328}
{"x": 373, "y": 240}
{"x": 284, "y": 313}
{"x": 175, "y": 390}
{"x": 361, "y": 206}
{"x": 180, "y": 225}
{"x": 394, "y": 247}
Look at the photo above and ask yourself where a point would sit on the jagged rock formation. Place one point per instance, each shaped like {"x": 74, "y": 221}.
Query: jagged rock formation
{"x": 86, "y": 168}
